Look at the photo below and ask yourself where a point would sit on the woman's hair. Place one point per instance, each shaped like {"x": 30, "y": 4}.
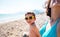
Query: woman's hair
{"x": 48, "y": 9}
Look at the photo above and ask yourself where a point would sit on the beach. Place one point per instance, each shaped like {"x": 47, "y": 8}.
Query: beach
{"x": 17, "y": 28}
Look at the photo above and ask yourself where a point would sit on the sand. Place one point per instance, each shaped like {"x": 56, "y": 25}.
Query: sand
{"x": 17, "y": 28}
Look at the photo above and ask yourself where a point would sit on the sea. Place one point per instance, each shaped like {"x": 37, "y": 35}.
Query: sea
{"x": 16, "y": 16}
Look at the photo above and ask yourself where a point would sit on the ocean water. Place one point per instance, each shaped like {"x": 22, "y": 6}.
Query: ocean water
{"x": 10, "y": 17}
{"x": 15, "y": 16}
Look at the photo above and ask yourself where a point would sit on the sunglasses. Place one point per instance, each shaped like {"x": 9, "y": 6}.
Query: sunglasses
{"x": 30, "y": 18}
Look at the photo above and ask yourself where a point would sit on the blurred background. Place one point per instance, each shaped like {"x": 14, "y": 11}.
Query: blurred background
{"x": 15, "y": 9}
{"x": 12, "y": 12}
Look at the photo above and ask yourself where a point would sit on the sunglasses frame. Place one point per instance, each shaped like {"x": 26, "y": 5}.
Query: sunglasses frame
{"x": 30, "y": 18}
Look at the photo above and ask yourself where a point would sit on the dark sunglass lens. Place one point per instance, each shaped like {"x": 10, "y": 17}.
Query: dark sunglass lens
{"x": 30, "y": 17}
{"x": 26, "y": 18}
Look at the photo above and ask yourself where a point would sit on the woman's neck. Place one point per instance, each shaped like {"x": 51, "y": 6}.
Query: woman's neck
{"x": 54, "y": 17}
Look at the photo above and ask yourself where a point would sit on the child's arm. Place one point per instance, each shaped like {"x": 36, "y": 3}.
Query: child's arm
{"x": 36, "y": 31}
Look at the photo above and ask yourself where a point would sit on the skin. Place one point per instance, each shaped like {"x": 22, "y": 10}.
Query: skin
{"x": 58, "y": 30}
{"x": 34, "y": 32}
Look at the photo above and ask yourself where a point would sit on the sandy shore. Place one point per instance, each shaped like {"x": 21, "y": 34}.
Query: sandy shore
{"x": 18, "y": 27}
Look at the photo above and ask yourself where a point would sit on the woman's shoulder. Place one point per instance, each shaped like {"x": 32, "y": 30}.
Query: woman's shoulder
{"x": 58, "y": 29}
{"x": 58, "y": 26}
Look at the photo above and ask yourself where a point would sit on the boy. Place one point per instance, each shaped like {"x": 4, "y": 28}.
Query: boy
{"x": 30, "y": 19}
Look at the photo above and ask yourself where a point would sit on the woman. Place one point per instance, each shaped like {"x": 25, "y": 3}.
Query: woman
{"x": 52, "y": 28}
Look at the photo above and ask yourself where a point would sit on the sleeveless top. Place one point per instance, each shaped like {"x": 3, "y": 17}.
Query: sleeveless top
{"x": 52, "y": 32}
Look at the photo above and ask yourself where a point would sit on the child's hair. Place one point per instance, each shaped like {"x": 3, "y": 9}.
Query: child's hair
{"x": 30, "y": 13}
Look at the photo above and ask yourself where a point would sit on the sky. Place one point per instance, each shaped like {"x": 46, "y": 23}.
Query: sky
{"x": 14, "y": 6}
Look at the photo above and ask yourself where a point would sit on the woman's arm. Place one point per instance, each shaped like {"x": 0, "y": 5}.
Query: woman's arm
{"x": 58, "y": 30}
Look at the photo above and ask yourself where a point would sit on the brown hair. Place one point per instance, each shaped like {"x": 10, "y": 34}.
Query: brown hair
{"x": 30, "y": 13}
{"x": 48, "y": 9}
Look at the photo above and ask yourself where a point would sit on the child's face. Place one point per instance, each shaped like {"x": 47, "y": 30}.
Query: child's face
{"x": 30, "y": 18}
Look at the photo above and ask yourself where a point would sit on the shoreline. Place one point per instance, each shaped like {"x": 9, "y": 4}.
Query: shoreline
{"x": 10, "y": 20}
